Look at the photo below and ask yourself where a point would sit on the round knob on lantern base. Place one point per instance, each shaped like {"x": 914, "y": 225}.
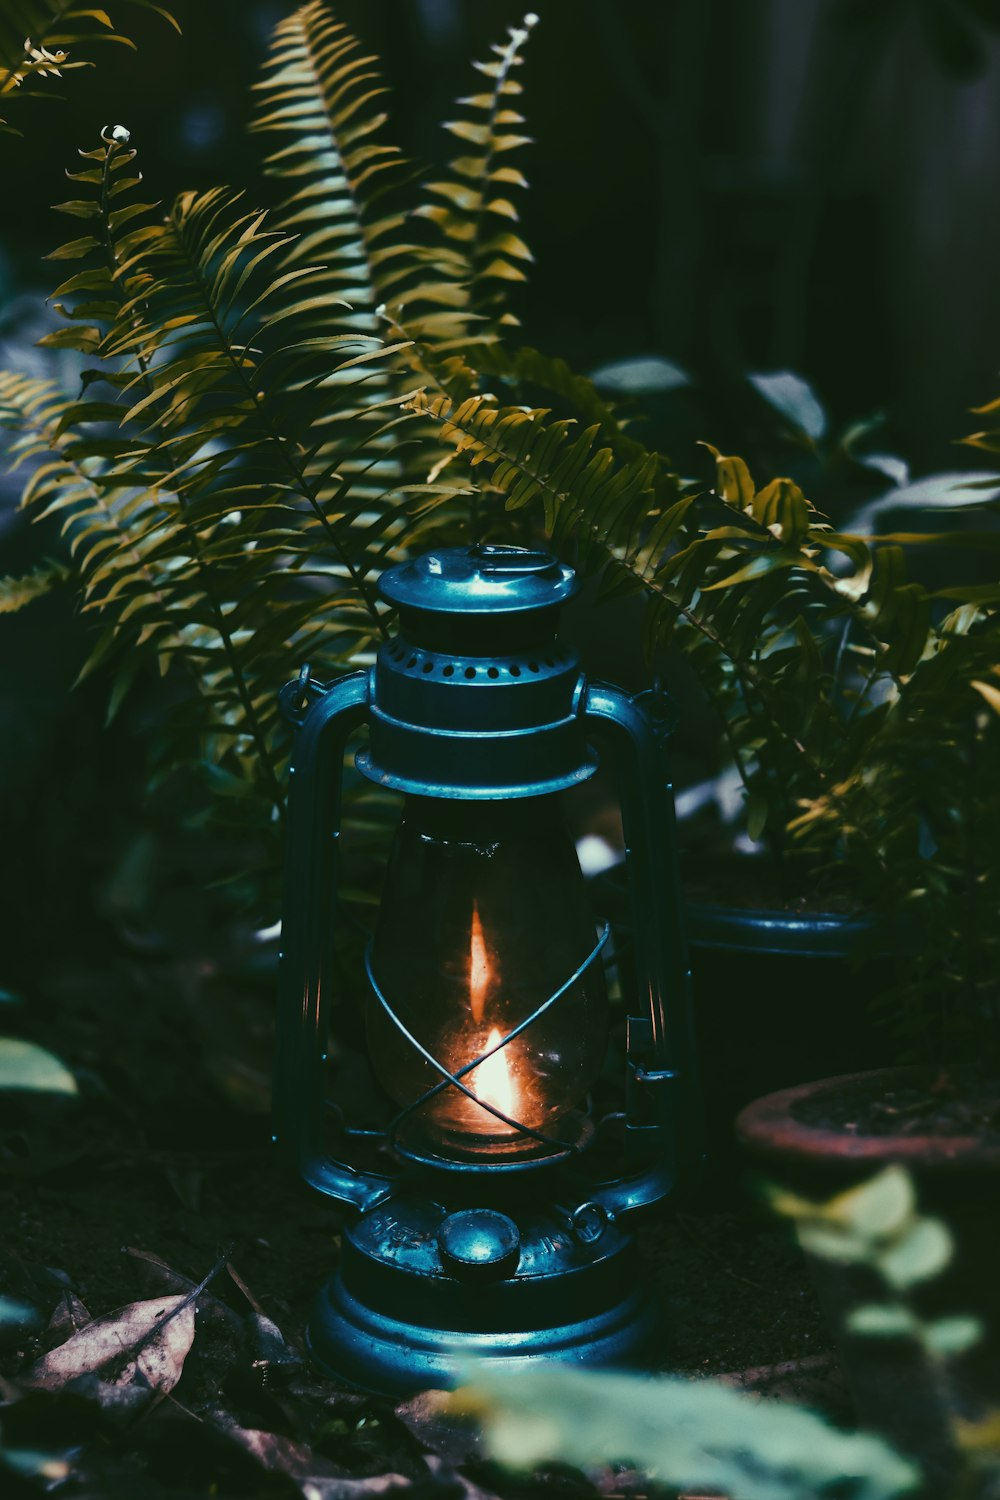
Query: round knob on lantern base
{"x": 479, "y": 1244}
{"x": 398, "y": 1317}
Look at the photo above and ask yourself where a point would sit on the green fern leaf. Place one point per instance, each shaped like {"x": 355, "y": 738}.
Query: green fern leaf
{"x": 469, "y": 204}
{"x": 321, "y": 98}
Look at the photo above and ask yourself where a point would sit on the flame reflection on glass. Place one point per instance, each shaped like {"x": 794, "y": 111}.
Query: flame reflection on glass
{"x": 483, "y": 917}
{"x": 492, "y": 1082}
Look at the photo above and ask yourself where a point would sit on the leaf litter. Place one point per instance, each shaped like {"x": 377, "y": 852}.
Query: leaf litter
{"x": 194, "y": 1380}
{"x": 119, "y": 1377}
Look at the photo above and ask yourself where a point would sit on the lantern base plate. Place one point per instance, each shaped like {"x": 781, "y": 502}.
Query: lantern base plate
{"x": 392, "y": 1321}
{"x": 392, "y": 1357}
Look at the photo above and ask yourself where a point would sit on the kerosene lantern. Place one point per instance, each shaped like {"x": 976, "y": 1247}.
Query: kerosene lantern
{"x": 497, "y": 1229}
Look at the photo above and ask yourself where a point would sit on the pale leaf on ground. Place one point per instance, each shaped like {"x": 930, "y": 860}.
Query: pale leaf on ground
{"x": 426, "y": 1416}
{"x": 152, "y": 1358}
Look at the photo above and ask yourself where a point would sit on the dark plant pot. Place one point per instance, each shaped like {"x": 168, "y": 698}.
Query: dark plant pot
{"x": 957, "y": 1179}
{"x": 779, "y": 996}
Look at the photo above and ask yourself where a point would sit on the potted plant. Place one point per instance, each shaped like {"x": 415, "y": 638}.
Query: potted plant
{"x": 857, "y": 704}
{"x": 826, "y": 1138}
{"x": 938, "y": 1117}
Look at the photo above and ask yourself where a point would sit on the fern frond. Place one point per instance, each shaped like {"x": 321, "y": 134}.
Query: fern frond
{"x": 473, "y": 205}
{"x": 742, "y": 575}
{"x": 583, "y": 492}
{"x": 228, "y": 512}
{"x": 245, "y": 414}
{"x": 136, "y": 556}
{"x": 228, "y": 505}
{"x": 322, "y": 98}
{"x": 101, "y": 287}
{"x": 112, "y": 535}
{"x": 761, "y": 550}
{"x": 345, "y": 214}
{"x": 518, "y": 374}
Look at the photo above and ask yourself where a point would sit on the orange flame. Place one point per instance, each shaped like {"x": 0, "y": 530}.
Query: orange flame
{"x": 491, "y": 1081}
{"x": 480, "y": 973}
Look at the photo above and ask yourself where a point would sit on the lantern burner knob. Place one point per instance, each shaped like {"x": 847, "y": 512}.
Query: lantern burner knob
{"x": 479, "y": 1244}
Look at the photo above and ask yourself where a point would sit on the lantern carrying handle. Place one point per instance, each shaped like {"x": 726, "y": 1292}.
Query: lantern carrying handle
{"x": 663, "y": 1115}
{"x": 306, "y": 964}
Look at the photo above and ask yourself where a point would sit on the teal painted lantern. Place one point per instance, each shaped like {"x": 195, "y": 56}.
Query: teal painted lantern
{"x": 501, "y": 1227}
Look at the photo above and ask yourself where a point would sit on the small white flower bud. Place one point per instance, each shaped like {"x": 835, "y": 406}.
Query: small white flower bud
{"x": 115, "y": 134}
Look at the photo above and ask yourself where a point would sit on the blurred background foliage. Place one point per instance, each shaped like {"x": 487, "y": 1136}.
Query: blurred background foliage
{"x": 800, "y": 184}
{"x": 718, "y": 190}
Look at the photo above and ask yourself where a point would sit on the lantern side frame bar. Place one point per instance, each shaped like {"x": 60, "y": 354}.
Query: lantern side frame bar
{"x": 314, "y": 809}
{"x": 663, "y": 1101}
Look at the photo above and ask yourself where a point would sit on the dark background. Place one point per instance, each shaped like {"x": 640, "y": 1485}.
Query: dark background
{"x": 730, "y": 185}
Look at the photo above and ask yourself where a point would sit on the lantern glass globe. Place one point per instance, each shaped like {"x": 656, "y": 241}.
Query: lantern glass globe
{"x": 484, "y": 916}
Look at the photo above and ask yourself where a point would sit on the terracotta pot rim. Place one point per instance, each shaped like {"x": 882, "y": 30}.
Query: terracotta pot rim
{"x": 768, "y": 1127}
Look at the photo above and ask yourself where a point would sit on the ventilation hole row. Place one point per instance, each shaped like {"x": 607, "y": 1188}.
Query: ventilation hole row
{"x": 470, "y": 673}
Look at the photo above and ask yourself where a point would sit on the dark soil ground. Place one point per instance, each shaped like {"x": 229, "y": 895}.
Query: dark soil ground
{"x": 163, "y": 1170}
{"x": 733, "y": 1289}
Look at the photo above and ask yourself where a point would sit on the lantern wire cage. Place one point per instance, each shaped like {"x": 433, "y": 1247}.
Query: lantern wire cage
{"x": 391, "y": 1135}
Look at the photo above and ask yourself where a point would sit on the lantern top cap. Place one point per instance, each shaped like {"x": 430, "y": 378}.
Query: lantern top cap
{"x": 485, "y": 578}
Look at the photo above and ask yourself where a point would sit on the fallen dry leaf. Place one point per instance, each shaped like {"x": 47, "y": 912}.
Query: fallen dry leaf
{"x": 429, "y": 1419}
{"x": 315, "y": 1477}
{"x": 270, "y": 1350}
{"x": 314, "y": 1488}
{"x": 152, "y": 1337}
{"x": 272, "y": 1450}
{"x": 68, "y": 1317}
{"x": 453, "y": 1479}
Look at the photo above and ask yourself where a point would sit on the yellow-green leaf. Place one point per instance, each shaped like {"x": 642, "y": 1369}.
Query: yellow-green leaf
{"x": 24, "y": 1067}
